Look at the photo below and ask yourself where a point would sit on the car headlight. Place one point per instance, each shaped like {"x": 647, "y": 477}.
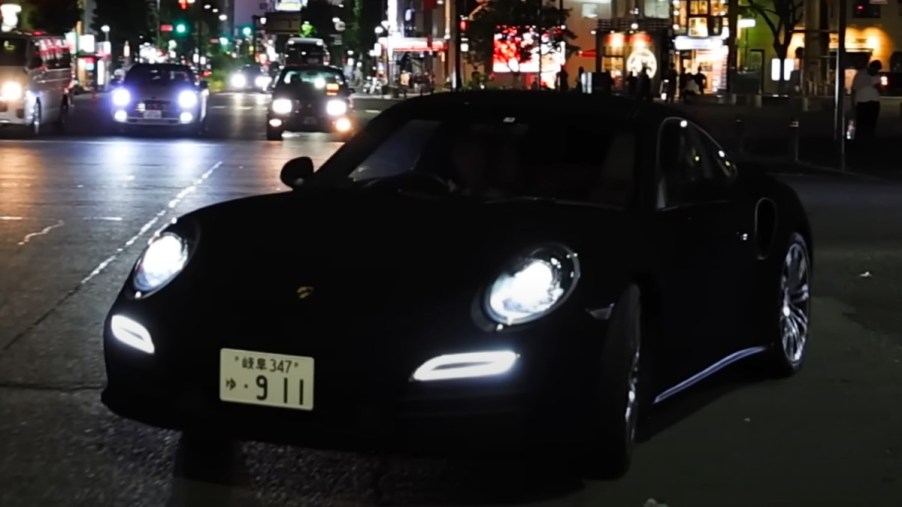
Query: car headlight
{"x": 262, "y": 81}
{"x": 533, "y": 286}
{"x": 239, "y": 81}
{"x": 336, "y": 107}
{"x": 282, "y": 106}
{"x": 121, "y": 97}
{"x": 11, "y": 90}
{"x": 187, "y": 99}
{"x": 164, "y": 258}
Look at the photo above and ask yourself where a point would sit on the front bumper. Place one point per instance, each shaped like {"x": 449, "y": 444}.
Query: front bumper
{"x": 366, "y": 402}
{"x": 307, "y": 122}
{"x": 166, "y": 114}
{"x": 15, "y": 113}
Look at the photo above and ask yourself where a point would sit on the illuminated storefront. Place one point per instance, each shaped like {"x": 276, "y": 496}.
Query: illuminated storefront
{"x": 700, "y": 28}
{"x": 626, "y": 52}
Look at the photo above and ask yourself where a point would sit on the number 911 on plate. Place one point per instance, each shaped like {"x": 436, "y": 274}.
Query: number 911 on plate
{"x": 260, "y": 378}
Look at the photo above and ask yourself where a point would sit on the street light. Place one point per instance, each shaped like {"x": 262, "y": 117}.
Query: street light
{"x": 106, "y": 32}
{"x": 223, "y": 17}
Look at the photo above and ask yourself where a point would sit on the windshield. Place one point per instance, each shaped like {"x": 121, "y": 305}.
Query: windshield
{"x": 159, "y": 74}
{"x": 305, "y": 53}
{"x": 12, "y": 51}
{"x": 251, "y": 69}
{"x": 573, "y": 158}
{"x": 317, "y": 78}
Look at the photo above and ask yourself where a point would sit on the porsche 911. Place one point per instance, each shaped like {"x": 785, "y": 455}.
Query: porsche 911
{"x": 474, "y": 272}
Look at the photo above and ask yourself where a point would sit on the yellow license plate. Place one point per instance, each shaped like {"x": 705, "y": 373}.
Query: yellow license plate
{"x": 261, "y": 378}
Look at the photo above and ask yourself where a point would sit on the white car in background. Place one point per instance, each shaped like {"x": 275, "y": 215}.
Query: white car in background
{"x": 35, "y": 79}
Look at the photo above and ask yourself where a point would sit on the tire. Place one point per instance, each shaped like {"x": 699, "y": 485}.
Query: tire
{"x": 62, "y": 121}
{"x": 34, "y": 129}
{"x": 618, "y": 393}
{"x": 787, "y": 313}
{"x": 274, "y": 134}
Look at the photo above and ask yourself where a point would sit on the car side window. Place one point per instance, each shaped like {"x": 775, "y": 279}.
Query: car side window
{"x": 686, "y": 172}
{"x": 724, "y": 169}
{"x": 397, "y": 154}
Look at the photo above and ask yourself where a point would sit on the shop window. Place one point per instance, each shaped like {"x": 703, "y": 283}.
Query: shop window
{"x": 865, "y": 9}
{"x": 659, "y": 9}
{"x": 597, "y": 10}
{"x": 698, "y": 27}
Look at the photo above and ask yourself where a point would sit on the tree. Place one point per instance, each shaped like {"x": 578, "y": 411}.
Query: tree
{"x": 781, "y": 17}
{"x": 129, "y": 20}
{"x": 53, "y": 16}
{"x": 361, "y": 28}
{"x": 519, "y": 16}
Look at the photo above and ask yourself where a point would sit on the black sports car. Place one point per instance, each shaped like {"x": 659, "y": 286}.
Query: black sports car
{"x": 474, "y": 271}
{"x": 310, "y": 98}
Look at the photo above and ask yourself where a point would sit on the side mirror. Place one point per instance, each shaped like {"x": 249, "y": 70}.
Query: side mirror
{"x": 352, "y": 90}
{"x": 296, "y": 171}
{"x": 204, "y": 85}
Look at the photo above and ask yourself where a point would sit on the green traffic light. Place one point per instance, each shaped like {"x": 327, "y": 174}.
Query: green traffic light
{"x": 181, "y": 28}
{"x": 247, "y": 31}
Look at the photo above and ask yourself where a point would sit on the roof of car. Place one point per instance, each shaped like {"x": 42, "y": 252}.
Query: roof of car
{"x": 310, "y": 67}
{"x": 608, "y": 107}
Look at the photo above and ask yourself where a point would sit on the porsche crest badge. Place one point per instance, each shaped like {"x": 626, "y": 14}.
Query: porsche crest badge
{"x": 304, "y": 292}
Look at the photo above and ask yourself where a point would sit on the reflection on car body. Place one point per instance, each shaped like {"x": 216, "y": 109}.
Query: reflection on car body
{"x": 160, "y": 96}
{"x": 310, "y": 98}
{"x": 496, "y": 268}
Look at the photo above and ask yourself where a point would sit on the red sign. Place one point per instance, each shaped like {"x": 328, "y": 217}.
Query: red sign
{"x": 165, "y": 28}
{"x": 183, "y": 4}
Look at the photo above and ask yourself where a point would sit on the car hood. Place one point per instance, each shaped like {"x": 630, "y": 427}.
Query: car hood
{"x": 373, "y": 237}
{"x": 367, "y": 260}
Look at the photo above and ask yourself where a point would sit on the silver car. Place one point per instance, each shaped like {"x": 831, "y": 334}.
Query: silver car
{"x": 165, "y": 96}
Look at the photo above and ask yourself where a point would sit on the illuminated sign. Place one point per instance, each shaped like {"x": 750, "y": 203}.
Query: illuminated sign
{"x": 290, "y": 5}
{"x": 10, "y": 15}
{"x": 642, "y": 58}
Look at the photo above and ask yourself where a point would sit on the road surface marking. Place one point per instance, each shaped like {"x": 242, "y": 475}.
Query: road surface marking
{"x": 153, "y": 221}
{"x": 104, "y": 219}
{"x": 43, "y": 232}
{"x": 2, "y": 218}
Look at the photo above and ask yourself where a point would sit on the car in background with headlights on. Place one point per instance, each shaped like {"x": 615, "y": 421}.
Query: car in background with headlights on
{"x": 310, "y": 98}
{"x": 250, "y": 78}
{"x": 36, "y": 72}
{"x": 499, "y": 271}
{"x": 160, "y": 96}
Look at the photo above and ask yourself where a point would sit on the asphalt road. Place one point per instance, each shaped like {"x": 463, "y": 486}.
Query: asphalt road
{"x": 75, "y": 212}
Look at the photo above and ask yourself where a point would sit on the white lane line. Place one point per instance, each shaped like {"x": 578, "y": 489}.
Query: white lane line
{"x": 372, "y": 111}
{"x": 104, "y": 219}
{"x": 150, "y": 223}
{"x": 5, "y": 218}
{"x": 43, "y": 232}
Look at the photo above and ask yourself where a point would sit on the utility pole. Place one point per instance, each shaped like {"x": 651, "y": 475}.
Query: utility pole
{"x": 598, "y": 45}
{"x": 732, "y": 52}
{"x": 839, "y": 121}
{"x": 540, "y": 29}
{"x": 458, "y": 42}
